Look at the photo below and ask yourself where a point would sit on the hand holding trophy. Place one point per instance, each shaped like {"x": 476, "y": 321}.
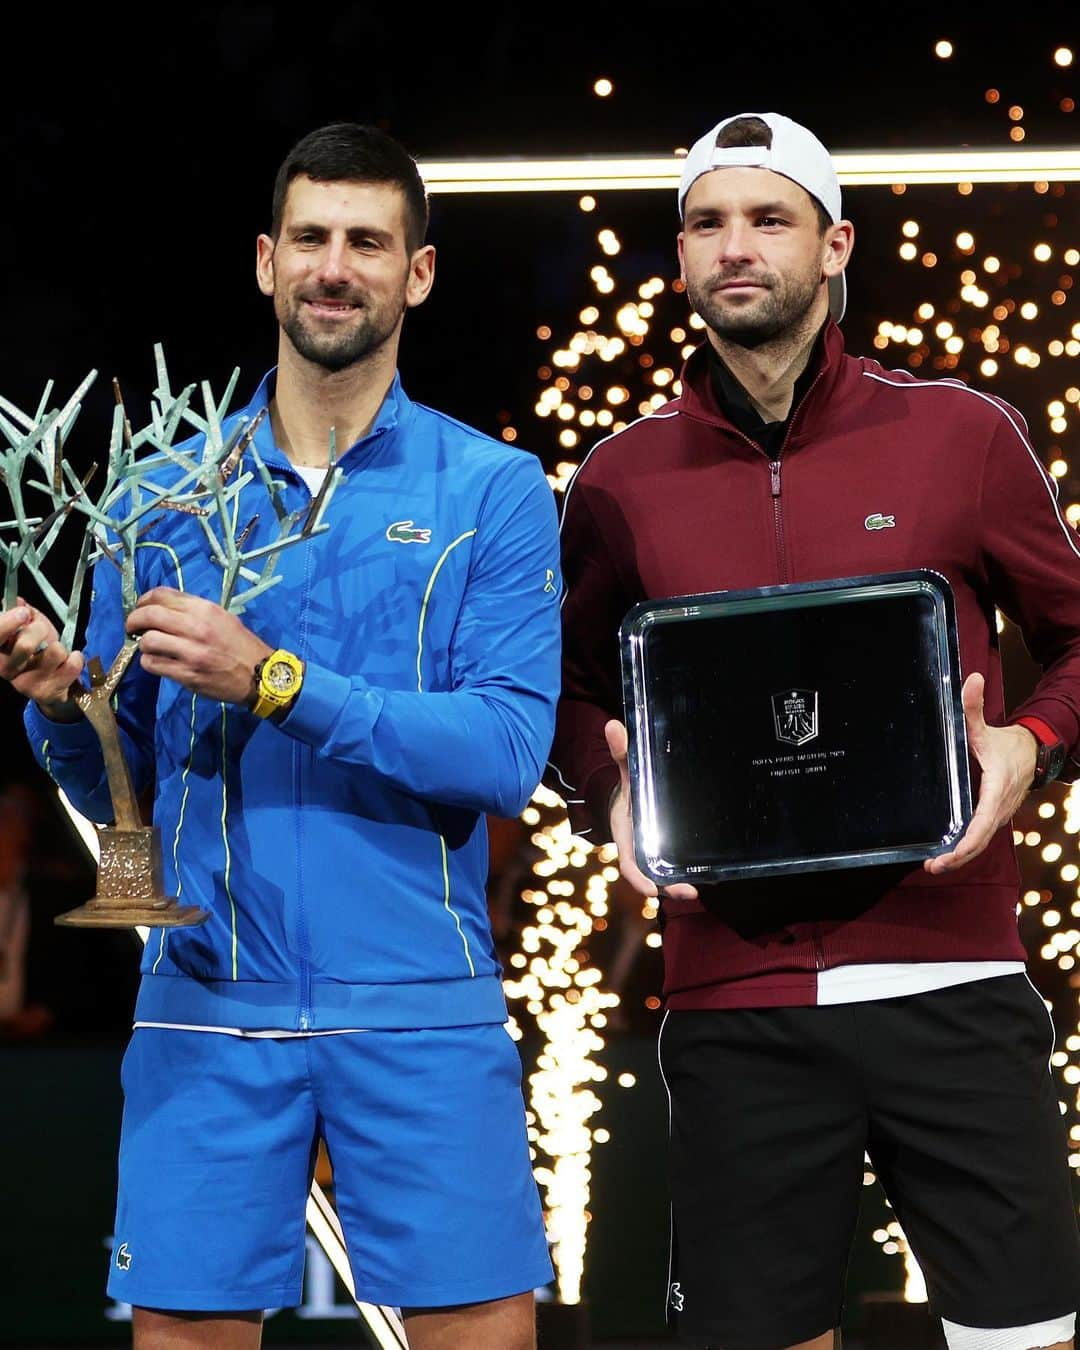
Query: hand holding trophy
{"x": 146, "y": 475}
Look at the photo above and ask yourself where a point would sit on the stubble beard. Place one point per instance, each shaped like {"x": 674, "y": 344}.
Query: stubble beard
{"x": 370, "y": 330}
{"x": 780, "y": 312}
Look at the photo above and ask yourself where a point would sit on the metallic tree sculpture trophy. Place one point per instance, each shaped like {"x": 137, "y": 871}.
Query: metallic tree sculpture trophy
{"x": 200, "y": 479}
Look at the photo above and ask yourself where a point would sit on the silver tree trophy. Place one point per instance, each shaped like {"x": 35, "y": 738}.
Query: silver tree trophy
{"x": 203, "y": 480}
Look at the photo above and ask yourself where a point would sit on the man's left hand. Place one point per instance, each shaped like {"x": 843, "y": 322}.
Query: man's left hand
{"x": 196, "y": 643}
{"x": 1006, "y": 756}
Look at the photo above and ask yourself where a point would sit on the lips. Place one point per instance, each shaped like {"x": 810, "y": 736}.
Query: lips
{"x": 327, "y": 308}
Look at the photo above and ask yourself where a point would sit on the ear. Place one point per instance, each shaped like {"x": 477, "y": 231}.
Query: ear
{"x": 264, "y": 264}
{"x": 679, "y": 239}
{"x": 839, "y": 241}
{"x": 421, "y": 276}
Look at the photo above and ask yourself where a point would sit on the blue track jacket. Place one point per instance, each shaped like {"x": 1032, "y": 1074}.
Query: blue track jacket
{"x": 343, "y": 853}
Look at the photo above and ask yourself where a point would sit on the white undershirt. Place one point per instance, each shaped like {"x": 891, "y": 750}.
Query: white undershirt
{"x": 266, "y": 1033}
{"x": 860, "y": 984}
{"x": 313, "y": 477}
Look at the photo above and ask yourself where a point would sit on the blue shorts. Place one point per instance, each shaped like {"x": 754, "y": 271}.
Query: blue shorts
{"x": 426, "y": 1136}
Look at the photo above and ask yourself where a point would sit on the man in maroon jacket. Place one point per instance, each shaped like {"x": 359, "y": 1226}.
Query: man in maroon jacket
{"x": 816, "y": 1018}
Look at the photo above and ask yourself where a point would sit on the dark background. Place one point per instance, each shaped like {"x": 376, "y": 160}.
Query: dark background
{"x": 137, "y": 153}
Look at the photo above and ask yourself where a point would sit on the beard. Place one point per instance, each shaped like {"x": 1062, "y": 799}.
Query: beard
{"x": 370, "y": 328}
{"x": 778, "y": 310}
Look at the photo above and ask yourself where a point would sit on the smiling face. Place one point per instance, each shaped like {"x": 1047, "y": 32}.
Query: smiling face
{"x": 340, "y": 271}
{"x": 753, "y": 255}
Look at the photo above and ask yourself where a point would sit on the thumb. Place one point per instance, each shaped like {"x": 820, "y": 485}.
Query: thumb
{"x": 617, "y": 739}
{"x": 972, "y": 697}
{"x": 619, "y": 744}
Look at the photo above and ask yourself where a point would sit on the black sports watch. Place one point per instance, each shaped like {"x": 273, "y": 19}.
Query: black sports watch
{"x": 1049, "y": 762}
{"x": 1050, "y": 750}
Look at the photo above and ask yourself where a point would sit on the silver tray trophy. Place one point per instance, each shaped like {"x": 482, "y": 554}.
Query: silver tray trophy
{"x": 795, "y": 728}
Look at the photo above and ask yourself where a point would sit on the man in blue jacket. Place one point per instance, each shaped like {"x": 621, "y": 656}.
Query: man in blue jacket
{"x": 322, "y": 771}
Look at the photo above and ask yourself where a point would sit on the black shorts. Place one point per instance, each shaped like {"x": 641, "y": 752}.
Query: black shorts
{"x": 772, "y": 1110}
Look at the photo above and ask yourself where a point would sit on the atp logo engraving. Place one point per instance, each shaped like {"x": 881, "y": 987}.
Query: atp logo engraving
{"x": 676, "y": 1297}
{"x": 877, "y": 521}
{"x": 795, "y": 716}
{"x": 123, "y": 1257}
{"x": 405, "y": 532}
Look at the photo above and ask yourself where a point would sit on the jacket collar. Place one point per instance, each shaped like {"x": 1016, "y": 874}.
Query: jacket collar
{"x": 698, "y": 398}
{"x": 392, "y": 411}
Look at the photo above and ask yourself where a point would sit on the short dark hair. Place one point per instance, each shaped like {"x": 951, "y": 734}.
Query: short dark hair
{"x": 347, "y": 152}
{"x": 744, "y": 131}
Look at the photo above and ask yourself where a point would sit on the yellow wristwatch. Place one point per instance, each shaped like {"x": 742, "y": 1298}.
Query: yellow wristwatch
{"x": 278, "y": 679}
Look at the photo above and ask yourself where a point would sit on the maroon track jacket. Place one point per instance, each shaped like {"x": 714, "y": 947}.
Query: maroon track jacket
{"x": 682, "y": 502}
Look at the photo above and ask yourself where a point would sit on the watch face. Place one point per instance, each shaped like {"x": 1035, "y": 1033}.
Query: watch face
{"x": 279, "y": 676}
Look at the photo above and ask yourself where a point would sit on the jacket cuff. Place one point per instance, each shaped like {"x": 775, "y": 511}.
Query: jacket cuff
{"x": 1061, "y": 720}
{"x": 1043, "y": 732}
{"x": 314, "y": 717}
{"x": 64, "y": 738}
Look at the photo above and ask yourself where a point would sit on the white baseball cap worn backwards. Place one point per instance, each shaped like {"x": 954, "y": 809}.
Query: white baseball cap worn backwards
{"x": 795, "y": 153}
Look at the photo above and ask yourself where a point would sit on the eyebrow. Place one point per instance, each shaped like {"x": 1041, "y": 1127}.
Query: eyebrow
{"x": 770, "y": 208}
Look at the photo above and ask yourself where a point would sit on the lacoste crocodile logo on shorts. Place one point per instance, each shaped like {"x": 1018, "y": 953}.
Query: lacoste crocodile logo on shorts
{"x": 404, "y": 532}
{"x": 123, "y": 1257}
{"x": 879, "y": 522}
{"x": 676, "y": 1297}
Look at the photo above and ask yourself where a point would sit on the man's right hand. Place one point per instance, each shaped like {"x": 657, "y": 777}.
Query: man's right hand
{"x": 34, "y": 662}
{"x": 622, "y": 825}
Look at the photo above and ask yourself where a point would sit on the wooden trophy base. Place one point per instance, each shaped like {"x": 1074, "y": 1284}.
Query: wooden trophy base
{"x": 130, "y": 887}
{"x": 166, "y": 914}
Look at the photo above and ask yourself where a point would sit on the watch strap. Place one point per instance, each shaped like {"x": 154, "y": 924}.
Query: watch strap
{"x": 265, "y": 707}
{"x": 1050, "y": 751}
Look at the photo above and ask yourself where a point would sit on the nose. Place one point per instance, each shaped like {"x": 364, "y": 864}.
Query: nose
{"x": 333, "y": 267}
{"x": 736, "y": 242}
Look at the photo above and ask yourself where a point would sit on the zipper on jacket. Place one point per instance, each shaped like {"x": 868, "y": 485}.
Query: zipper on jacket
{"x": 774, "y": 492}
{"x": 304, "y": 1015}
{"x": 774, "y": 485}
{"x": 778, "y": 518}
{"x": 301, "y": 754}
